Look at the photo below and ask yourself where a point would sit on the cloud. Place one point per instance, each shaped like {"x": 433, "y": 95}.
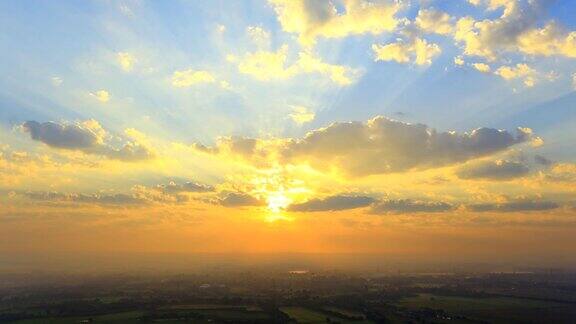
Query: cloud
{"x": 313, "y": 19}
{"x": 190, "y": 77}
{"x": 408, "y": 206}
{"x": 383, "y": 145}
{"x": 547, "y": 41}
{"x": 111, "y": 199}
{"x": 561, "y": 172}
{"x": 416, "y": 50}
{"x": 259, "y": 36}
{"x": 482, "y": 67}
{"x": 239, "y": 199}
{"x": 332, "y": 203}
{"x": 539, "y": 159}
{"x": 174, "y": 188}
{"x": 515, "y": 31}
{"x": 412, "y": 47}
{"x": 220, "y": 29}
{"x": 17, "y": 167}
{"x": 255, "y": 152}
{"x": 433, "y": 21}
{"x": 267, "y": 65}
{"x": 68, "y": 136}
{"x": 129, "y": 152}
{"x": 508, "y": 5}
{"x": 493, "y": 170}
{"x": 169, "y": 193}
{"x": 101, "y": 95}
{"x": 339, "y": 74}
{"x": 56, "y": 81}
{"x": 234, "y": 144}
{"x": 521, "y": 70}
{"x": 525, "y": 205}
{"x": 126, "y": 61}
{"x": 301, "y": 115}
{"x": 88, "y": 137}
{"x": 458, "y": 60}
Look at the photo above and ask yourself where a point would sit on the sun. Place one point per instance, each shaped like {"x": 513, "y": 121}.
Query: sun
{"x": 277, "y": 201}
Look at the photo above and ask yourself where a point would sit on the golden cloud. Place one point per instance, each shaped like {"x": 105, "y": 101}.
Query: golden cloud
{"x": 313, "y": 19}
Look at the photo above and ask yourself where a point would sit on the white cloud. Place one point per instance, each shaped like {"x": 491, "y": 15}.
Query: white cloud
{"x": 433, "y": 21}
{"x": 301, "y": 115}
{"x": 520, "y": 71}
{"x": 259, "y": 36}
{"x": 482, "y": 67}
{"x": 313, "y": 19}
{"x": 417, "y": 50}
{"x": 126, "y": 61}
{"x": 516, "y": 30}
{"x": 266, "y": 66}
{"x": 56, "y": 81}
{"x": 458, "y": 60}
{"x": 220, "y": 29}
{"x": 101, "y": 95}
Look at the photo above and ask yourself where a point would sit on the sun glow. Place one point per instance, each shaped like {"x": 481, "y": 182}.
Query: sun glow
{"x": 276, "y": 217}
{"x": 278, "y": 201}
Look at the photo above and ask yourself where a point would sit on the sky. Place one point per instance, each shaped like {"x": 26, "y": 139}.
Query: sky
{"x": 436, "y": 128}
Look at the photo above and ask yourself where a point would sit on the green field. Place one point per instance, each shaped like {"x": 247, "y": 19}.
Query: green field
{"x": 179, "y": 313}
{"x": 124, "y": 317}
{"x": 495, "y": 309}
{"x": 308, "y": 316}
{"x": 344, "y": 312}
{"x": 213, "y": 306}
{"x": 219, "y": 312}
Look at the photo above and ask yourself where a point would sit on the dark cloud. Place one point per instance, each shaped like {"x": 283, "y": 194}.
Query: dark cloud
{"x": 383, "y": 145}
{"x": 493, "y": 170}
{"x": 239, "y": 199}
{"x": 514, "y": 206}
{"x": 70, "y": 136}
{"x": 539, "y": 159}
{"x": 112, "y": 199}
{"x": 88, "y": 137}
{"x": 129, "y": 152}
{"x": 243, "y": 146}
{"x": 173, "y": 187}
{"x": 405, "y": 206}
{"x": 333, "y": 203}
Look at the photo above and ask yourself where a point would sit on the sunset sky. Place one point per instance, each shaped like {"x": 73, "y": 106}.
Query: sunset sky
{"x": 347, "y": 126}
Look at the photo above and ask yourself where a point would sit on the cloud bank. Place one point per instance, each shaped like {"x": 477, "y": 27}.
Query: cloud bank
{"x": 383, "y": 145}
{"x": 493, "y": 170}
{"x": 408, "y": 206}
{"x": 332, "y": 203}
{"x": 524, "y": 205}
